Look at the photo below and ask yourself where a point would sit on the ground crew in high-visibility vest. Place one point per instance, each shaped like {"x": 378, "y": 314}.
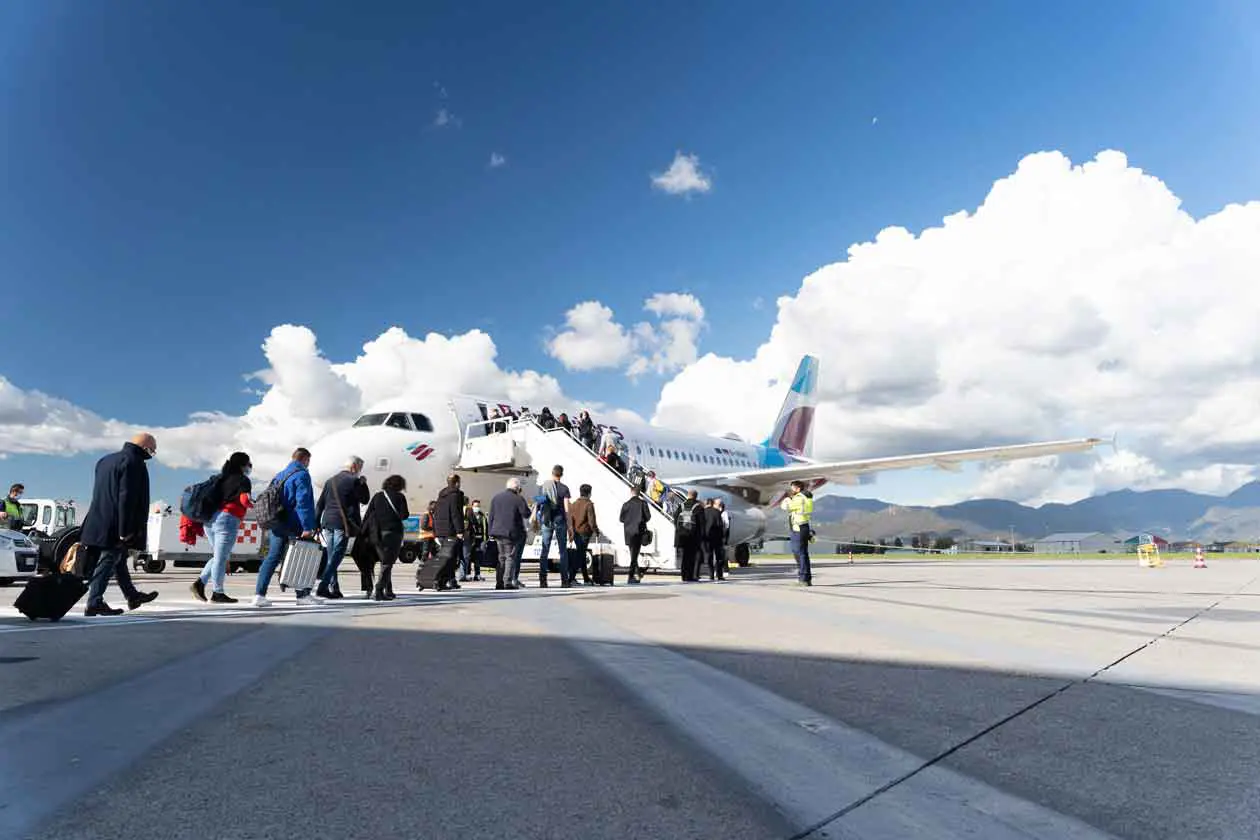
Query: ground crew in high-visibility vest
{"x": 800, "y": 507}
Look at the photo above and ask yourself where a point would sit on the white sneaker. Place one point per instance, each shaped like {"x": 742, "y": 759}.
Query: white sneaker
{"x": 260, "y": 601}
{"x": 308, "y": 601}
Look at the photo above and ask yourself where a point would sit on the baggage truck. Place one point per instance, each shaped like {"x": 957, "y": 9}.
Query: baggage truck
{"x": 164, "y": 546}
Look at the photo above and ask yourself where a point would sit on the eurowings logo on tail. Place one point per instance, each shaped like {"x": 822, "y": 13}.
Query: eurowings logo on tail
{"x": 793, "y": 433}
{"x": 419, "y": 451}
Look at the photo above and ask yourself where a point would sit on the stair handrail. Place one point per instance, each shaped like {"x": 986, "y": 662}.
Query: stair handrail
{"x": 625, "y": 479}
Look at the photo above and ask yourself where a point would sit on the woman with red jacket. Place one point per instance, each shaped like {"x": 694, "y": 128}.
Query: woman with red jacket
{"x": 222, "y": 528}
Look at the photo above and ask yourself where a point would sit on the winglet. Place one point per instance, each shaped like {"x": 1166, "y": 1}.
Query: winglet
{"x": 793, "y": 432}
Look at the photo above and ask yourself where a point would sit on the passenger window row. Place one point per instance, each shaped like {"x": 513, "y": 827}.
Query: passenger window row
{"x": 699, "y": 458}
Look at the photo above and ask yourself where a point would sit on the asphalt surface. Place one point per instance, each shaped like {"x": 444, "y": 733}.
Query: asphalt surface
{"x": 904, "y": 698}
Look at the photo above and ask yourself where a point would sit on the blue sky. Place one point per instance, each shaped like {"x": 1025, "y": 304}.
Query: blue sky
{"x": 179, "y": 178}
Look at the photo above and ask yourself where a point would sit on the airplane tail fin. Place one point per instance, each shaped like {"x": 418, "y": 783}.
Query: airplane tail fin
{"x": 794, "y": 429}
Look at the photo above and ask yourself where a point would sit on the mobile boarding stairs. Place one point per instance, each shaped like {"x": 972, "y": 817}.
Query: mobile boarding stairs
{"x": 528, "y": 450}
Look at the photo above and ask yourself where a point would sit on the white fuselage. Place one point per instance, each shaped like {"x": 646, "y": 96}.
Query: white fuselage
{"x": 422, "y": 444}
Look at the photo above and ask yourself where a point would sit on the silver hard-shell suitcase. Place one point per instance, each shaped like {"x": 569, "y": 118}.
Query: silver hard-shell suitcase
{"x": 300, "y": 569}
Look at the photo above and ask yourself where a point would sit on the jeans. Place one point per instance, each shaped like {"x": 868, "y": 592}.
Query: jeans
{"x": 335, "y": 540}
{"x": 800, "y": 550}
{"x": 577, "y": 557}
{"x": 558, "y": 527}
{"x": 221, "y": 532}
{"x": 112, "y": 562}
{"x": 277, "y": 546}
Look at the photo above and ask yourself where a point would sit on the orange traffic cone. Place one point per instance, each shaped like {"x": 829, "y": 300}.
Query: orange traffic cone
{"x": 1199, "y": 562}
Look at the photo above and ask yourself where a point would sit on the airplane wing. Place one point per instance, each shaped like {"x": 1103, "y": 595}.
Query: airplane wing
{"x": 846, "y": 472}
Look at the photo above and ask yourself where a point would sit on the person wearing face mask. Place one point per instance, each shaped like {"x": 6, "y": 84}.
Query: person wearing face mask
{"x": 476, "y": 532}
{"x": 11, "y": 512}
{"x": 118, "y": 520}
{"x": 234, "y": 489}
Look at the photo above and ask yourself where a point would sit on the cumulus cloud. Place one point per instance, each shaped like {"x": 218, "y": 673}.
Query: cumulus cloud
{"x": 306, "y": 396}
{"x": 1075, "y": 300}
{"x": 497, "y": 160}
{"x": 683, "y": 176}
{"x": 444, "y": 117}
{"x": 594, "y": 340}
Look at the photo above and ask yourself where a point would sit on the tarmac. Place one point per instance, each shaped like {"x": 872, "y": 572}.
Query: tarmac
{"x": 896, "y": 698}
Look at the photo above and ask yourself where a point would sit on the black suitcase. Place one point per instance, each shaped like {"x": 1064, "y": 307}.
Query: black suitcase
{"x": 430, "y": 572}
{"x": 490, "y": 554}
{"x": 603, "y": 569}
{"x": 50, "y": 596}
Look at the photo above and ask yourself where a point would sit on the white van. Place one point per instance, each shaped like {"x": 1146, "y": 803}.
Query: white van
{"x": 18, "y": 557}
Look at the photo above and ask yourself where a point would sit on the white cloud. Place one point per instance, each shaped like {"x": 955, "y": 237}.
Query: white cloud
{"x": 683, "y": 176}
{"x": 497, "y": 160}
{"x": 595, "y": 340}
{"x": 306, "y": 397}
{"x": 444, "y": 117}
{"x": 1076, "y": 300}
{"x": 675, "y": 305}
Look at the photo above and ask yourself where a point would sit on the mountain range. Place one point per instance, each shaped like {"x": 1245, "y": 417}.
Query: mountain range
{"x": 1172, "y": 514}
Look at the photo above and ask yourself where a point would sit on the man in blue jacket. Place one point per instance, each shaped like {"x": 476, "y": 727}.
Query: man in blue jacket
{"x": 298, "y": 522}
{"x": 118, "y": 521}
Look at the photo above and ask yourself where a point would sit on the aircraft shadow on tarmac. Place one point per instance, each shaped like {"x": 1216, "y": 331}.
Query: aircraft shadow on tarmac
{"x": 1070, "y": 746}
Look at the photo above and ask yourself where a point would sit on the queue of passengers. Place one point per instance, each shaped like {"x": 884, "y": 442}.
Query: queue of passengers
{"x": 457, "y": 530}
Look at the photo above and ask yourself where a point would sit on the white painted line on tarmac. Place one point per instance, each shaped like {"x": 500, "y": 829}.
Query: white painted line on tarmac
{"x": 807, "y": 765}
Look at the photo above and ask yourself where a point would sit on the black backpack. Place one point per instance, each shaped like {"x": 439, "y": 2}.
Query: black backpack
{"x": 687, "y": 519}
{"x": 202, "y": 500}
{"x": 269, "y": 506}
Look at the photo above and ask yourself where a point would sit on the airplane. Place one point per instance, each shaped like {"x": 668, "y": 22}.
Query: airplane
{"x": 426, "y": 438}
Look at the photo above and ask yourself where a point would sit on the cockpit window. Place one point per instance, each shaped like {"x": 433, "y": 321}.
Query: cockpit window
{"x": 422, "y": 423}
{"x": 399, "y": 421}
{"x": 370, "y": 420}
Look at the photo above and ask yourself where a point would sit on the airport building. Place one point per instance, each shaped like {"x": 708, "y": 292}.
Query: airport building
{"x": 1082, "y": 542}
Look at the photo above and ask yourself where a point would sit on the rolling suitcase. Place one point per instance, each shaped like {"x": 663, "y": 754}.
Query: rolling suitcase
{"x": 490, "y": 554}
{"x": 300, "y": 569}
{"x": 430, "y": 573}
{"x": 50, "y": 596}
{"x": 602, "y": 569}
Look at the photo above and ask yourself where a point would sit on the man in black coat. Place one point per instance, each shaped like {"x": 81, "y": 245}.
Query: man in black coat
{"x": 688, "y": 524}
{"x": 337, "y": 512}
{"x": 509, "y": 514}
{"x": 448, "y": 528}
{"x": 635, "y": 514}
{"x": 117, "y": 520}
{"x": 714, "y": 540}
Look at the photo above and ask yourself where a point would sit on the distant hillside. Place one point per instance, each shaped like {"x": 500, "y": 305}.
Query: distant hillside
{"x": 1174, "y": 514}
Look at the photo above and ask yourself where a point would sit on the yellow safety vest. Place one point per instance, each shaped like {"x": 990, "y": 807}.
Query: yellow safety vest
{"x": 799, "y": 508}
